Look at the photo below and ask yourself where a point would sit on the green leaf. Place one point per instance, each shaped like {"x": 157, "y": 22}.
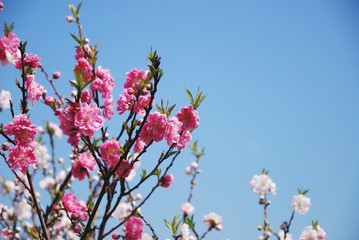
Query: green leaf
{"x": 143, "y": 173}
{"x": 73, "y": 9}
{"x": 77, "y": 39}
{"x": 168, "y": 225}
{"x": 78, "y": 9}
{"x": 7, "y": 28}
{"x": 175, "y": 224}
{"x": 190, "y": 96}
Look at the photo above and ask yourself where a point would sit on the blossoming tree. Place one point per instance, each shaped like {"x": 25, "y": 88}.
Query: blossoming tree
{"x": 108, "y": 160}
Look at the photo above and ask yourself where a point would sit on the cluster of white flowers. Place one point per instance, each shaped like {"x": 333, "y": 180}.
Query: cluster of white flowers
{"x": 287, "y": 237}
{"x": 122, "y": 211}
{"x": 42, "y": 155}
{"x": 185, "y": 234}
{"x": 213, "y": 220}
{"x": 262, "y": 184}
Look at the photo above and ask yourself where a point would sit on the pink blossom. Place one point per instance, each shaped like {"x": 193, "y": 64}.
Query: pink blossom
{"x": 134, "y": 78}
{"x": 22, "y": 129}
{"x": 7, "y": 233}
{"x": 108, "y": 107}
{"x": 110, "y": 152}
{"x": 134, "y": 228}
{"x": 86, "y": 96}
{"x": 154, "y": 128}
{"x": 125, "y": 101}
{"x": 83, "y": 69}
{"x": 88, "y": 119}
{"x": 84, "y": 165}
{"x": 67, "y": 122}
{"x": 166, "y": 180}
{"x": 141, "y": 104}
{"x": 33, "y": 88}
{"x": 124, "y": 169}
{"x": 30, "y": 60}
{"x": 189, "y": 117}
{"x": 9, "y": 52}
{"x": 104, "y": 82}
{"x": 21, "y": 157}
{"x": 1, "y": 6}
{"x": 184, "y": 138}
{"x": 80, "y": 52}
{"x": 173, "y": 131}
{"x": 139, "y": 145}
{"x": 78, "y": 209}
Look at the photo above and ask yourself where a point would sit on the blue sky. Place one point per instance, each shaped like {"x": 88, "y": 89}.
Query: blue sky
{"x": 282, "y": 80}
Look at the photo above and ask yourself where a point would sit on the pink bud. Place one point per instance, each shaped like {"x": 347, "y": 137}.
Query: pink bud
{"x": 49, "y": 100}
{"x": 77, "y": 228}
{"x": 166, "y": 180}
{"x": 1, "y": 6}
{"x": 56, "y": 75}
{"x": 70, "y": 18}
{"x": 116, "y": 235}
{"x": 5, "y": 146}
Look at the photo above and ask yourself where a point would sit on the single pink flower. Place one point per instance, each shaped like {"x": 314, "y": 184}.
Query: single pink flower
{"x": 83, "y": 69}
{"x": 9, "y": 52}
{"x": 184, "y": 138}
{"x": 1, "y": 6}
{"x": 154, "y": 128}
{"x": 166, "y": 180}
{"x": 124, "y": 169}
{"x": 126, "y": 101}
{"x": 30, "y": 60}
{"x": 86, "y": 96}
{"x": 134, "y": 228}
{"x": 88, "y": 119}
{"x": 110, "y": 152}
{"x": 84, "y": 165}
{"x": 173, "y": 130}
{"x": 23, "y": 130}
{"x": 108, "y": 107}
{"x": 73, "y": 206}
{"x": 104, "y": 82}
{"x": 141, "y": 104}
{"x": 189, "y": 117}
{"x": 21, "y": 157}
{"x": 49, "y": 100}
{"x": 139, "y": 145}
{"x": 67, "y": 122}
{"x": 33, "y": 88}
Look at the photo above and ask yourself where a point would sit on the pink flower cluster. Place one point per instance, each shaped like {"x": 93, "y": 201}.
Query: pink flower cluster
{"x": 135, "y": 93}
{"x": 84, "y": 164}
{"x": 31, "y": 61}
{"x": 104, "y": 83}
{"x": 33, "y": 88}
{"x": 78, "y": 209}
{"x": 76, "y": 119}
{"x": 134, "y": 229}
{"x": 110, "y": 153}
{"x": 22, "y": 155}
{"x": 9, "y": 52}
{"x": 175, "y": 130}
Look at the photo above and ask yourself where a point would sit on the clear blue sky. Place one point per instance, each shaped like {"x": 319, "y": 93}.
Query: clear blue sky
{"x": 282, "y": 79}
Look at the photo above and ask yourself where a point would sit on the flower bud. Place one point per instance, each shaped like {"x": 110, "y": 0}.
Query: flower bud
{"x": 77, "y": 228}
{"x": 70, "y": 18}
{"x": 5, "y": 146}
{"x": 56, "y": 75}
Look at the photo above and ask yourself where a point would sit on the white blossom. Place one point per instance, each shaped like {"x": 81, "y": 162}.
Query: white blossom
{"x": 311, "y": 233}
{"x": 55, "y": 129}
{"x": 42, "y": 155}
{"x": 122, "y": 211}
{"x": 262, "y": 184}
{"x": 300, "y": 204}
{"x": 5, "y": 97}
{"x": 22, "y": 210}
{"x": 287, "y": 237}
{"x": 187, "y": 208}
{"x": 213, "y": 220}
